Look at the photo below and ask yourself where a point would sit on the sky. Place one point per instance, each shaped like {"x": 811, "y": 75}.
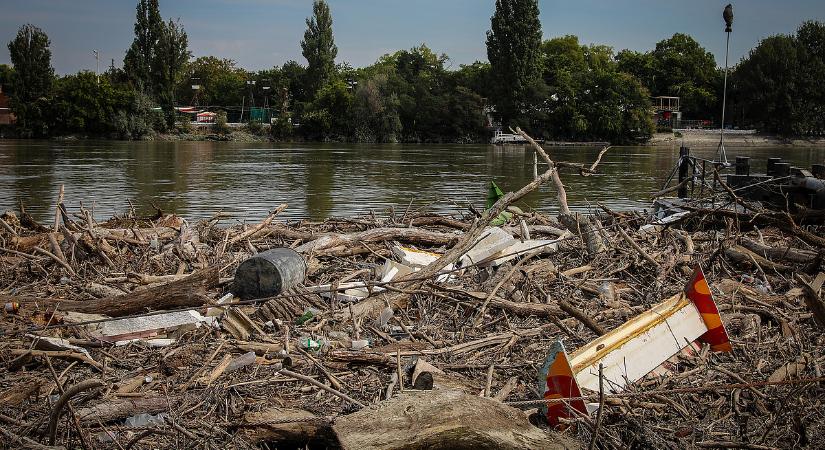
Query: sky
{"x": 260, "y": 34}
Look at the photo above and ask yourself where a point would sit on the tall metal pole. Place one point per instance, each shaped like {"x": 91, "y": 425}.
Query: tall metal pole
{"x": 721, "y": 154}
{"x": 97, "y": 69}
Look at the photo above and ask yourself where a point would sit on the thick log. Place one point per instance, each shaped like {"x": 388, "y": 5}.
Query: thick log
{"x": 121, "y": 408}
{"x": 788, "y": 253}
{"x": 744, "y": 256}
{"x": 407, "y": 235}
{"x": 189, "y": 291}
{"x": 442, "y": 419}
{"x": 288, "y": 428}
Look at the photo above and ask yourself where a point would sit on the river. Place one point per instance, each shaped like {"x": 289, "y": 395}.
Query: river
{"x": 198, "y": 179}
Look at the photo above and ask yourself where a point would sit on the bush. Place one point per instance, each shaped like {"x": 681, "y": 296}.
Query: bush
{"x": 282, "y": 128}
{"x": 254, "y": 127}
{"x": 220, "y": 123}
{"x": 185, "y": 127}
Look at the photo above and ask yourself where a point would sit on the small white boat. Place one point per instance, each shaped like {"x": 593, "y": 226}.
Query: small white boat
{"x": 501, "y": 138}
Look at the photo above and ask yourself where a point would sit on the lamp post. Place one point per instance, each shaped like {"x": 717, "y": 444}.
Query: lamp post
{"x": 721, "y": 155}
{"x": 97, "y": 69}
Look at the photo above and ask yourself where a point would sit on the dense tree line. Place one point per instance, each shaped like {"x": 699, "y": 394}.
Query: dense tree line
{"x": 555, "y": 88}
{"x": 778, "y": 86}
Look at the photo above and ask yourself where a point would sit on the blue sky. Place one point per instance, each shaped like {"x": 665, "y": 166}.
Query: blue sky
{"x": 261, "y": 33}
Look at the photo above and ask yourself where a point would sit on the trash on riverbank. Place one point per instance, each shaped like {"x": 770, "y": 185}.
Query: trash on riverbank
{"x": 455, "y": 332}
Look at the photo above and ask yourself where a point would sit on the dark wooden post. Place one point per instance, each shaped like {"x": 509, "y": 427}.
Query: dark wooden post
{"x": 684, "y": 165}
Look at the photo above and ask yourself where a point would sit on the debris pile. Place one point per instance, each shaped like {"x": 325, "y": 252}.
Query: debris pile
{"x": 362, "y": 332}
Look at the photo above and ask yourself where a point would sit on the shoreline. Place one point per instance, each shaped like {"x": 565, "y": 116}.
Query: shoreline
{"x": 707, "y": 138}
{"x": 694, "y": 139}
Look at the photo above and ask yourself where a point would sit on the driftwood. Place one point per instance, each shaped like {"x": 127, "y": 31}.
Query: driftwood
{"x": 288, "y": 428}
{"x": 442, "y": 419}
{"x": 787, "y": 254}
{"x": 812, "y": 297}
{"x": 327, "y": 242}
{"x": 744, "y": 256}
{"x": 121, "y": 408}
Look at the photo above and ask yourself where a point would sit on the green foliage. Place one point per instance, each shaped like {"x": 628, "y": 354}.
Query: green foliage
{"x": 513, "y": 48}
{"x": 590, "y": 99}
{"x": 678, "y": 67}
{"x": 171, "y": 55}
{"x": 81, "y": 105}
{"x": 318, "y": 47}
{"x": 254, "y": 127}
{"x": 138, "y": 119}
{"x": 328, "y": 116}
{"x": 32, "y": 79}
{"x": 778, "y": 86}
{"x": 6, "y": 79}
{"x": 221, "y": 126}
{"x": 375, "y": 111}
{"x": 140, "y": 58}
{"x": 282, "y": 128}
{"x": 221, "y": 82}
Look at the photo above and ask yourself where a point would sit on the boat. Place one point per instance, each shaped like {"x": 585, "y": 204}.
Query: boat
{"x": 502, "y": 138}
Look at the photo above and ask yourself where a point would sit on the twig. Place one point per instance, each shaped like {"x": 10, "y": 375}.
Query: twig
{"x": 323, "y": 386}
{"x": 600, "y": 414}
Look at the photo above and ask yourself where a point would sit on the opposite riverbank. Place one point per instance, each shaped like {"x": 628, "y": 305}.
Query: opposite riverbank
{"x": 710, "y": 138}
{"x": 693, "y": 138}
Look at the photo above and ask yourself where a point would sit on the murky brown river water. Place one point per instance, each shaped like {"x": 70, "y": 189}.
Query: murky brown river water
{"x": 199, "y": 179}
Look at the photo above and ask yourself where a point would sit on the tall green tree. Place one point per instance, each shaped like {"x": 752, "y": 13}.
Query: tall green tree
{"x": 590, "y": 99}
{"x": 140, "y": 57}
{"x": 513, "y": 46}
{"x": 171, "y": 56}
{"x": 318, "y": 47}
{"x": 33, "y": 76}
{"x": 686, "y": 69}
{"x": 765, "y": 85}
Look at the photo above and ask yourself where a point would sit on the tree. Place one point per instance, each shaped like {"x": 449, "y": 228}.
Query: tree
{"x": 810, "y": 40}
{"x": 6, "y": 78}
{"x": 140, "y": 57}
{"x": 685, "y": 69}
{"x": 513, "y": 44}
{"x": 640, "y": 65}
{"x": 33, "y": 75}
{"x": 171, "y": 56}
{"x": 318, "y": 47}
{"x": 589, "y": 98}
{"x": 765, "y": 85}
{"x": 221, "y": 82}
{"x": 82, "y": 105}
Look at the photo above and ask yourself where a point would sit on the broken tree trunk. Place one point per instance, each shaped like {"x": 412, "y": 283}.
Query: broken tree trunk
{"x": 288, "y": 428}
{"x": 575, "y": 222}
{"x": 189, "y": 291}
{"x": 442, "y": 419}
{"x": 325, "y": 243}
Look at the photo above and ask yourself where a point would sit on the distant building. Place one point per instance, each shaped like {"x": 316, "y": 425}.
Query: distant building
{"x": 6, "y": 116}
{"x": 667, "y": 111}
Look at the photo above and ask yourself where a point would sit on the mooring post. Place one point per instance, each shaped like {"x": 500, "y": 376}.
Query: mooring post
{"x": 684, "y": 165}
{"x": 771, "y": 163}
{"x": 743, "y": 165}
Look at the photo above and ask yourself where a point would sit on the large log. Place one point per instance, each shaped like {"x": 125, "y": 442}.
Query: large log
{"x": 408, "y": 235}
{"x": 288, "y": 428}
{"x": 121, "y": 408}
{"x": 442, "y": 419}
{"x": 188, "y": 291}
